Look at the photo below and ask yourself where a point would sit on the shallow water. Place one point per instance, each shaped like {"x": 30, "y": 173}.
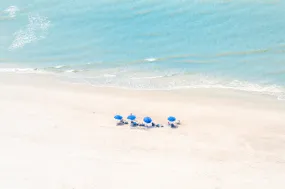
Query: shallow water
{"x": 148, "y": 44}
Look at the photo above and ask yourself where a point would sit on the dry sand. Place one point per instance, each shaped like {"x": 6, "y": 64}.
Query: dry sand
{"x": 55, "y": 135}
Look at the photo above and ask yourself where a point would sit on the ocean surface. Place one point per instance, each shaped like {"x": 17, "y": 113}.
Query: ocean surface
{"x": 150, "y": 44}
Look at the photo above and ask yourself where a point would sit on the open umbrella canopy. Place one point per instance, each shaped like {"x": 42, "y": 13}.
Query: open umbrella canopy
{"x": 171, "y": 118}
{"x": 118, "y": 117}
{"x": 131, "y": 117}
{"x": 147, "y": 120}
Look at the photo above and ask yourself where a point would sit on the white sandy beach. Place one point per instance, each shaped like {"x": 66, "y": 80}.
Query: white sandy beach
{"x": 55, "y": 135}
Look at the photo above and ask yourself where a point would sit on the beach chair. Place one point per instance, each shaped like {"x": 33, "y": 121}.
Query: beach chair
{"x": 121, "y": 122}
{"x": 173, "y": 126}
{"x": 134, "y": 124}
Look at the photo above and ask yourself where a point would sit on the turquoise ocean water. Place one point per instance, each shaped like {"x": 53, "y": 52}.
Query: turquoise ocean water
{"x": 150, "y": 44}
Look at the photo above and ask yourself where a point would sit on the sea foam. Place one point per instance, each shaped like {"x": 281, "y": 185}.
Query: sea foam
{"x": 33, "y": 31}
{"x": 11, "y": 11}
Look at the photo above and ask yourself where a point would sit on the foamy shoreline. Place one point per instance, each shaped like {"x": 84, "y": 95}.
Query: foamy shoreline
{"x": 160, "y": 82}
{"x": 59, "y": 135}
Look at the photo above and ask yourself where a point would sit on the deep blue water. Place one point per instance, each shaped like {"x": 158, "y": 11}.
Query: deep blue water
{"x": 148, "y": 44}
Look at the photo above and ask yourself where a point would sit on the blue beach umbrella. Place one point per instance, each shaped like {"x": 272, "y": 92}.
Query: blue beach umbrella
{"x": 147, "y": 120}
{"x": 171, "y": 118}
{"x": 118, "y": 117}
{"x": 131, "y": 117}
